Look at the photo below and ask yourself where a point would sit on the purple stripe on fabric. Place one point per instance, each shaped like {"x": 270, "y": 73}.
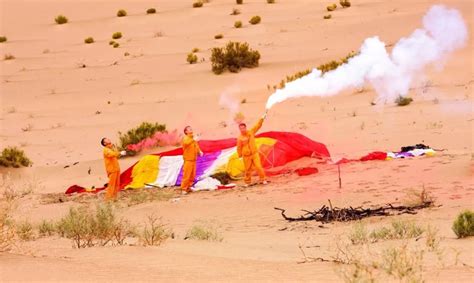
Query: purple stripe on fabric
{"x": 202, "y": 163}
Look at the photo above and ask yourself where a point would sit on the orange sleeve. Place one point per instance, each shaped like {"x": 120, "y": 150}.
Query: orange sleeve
{"x": 257, "y": 126}
{"x": 111, "y": 153}
{"x": 187, "y": 141}
{"x": 239, "y": 147}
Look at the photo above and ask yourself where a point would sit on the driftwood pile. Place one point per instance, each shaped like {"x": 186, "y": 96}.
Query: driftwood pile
{"x": 329, "y": 214}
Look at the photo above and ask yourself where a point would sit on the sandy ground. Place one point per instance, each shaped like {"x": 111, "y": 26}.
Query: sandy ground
{"x": 49, "y": 108}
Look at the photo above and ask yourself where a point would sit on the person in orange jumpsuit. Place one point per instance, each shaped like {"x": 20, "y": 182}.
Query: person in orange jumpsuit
{"x": 112, "y": 167}
{"x": 190, "y": 152}
{"x": 247, "y": 149}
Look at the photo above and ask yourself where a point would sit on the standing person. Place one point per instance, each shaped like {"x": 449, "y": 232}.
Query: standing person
{"x": 190, "y": 152}
{"x": 112, "y": 168}
{"x": 247, "y": 149}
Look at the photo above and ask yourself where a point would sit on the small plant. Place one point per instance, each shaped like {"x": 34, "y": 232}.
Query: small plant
{"x": 293, "y": 77}
{"x": 117, "y": 35}
{"x": 463, "y": 225}
{"x": 327, "y": 17}
{"x": 192, "y": 58}
{"x": 345, "y": 3}
{"x": 139, "y": 133}
{"x": 61, "y": 20}
{"x": 3, "y": 39}
{"x": 203, "y": 232}
{"x": 116, "y": 45}
{"x": 121, "y": 13}
{"x": 405, "y": 230}
{"x": 46, "y": 228}
{"x": 234, "y": 57}
{"x": 235, "y": 12}
{"x": 239, "y": 2}
{"x": 332, "y": 65}
{"x": 331, "y": 7}
{"x": 359, "y": 234}
{"x": 112, "y": 42}
{"x": 154, "y": 232}
{"x": 432, "y": 239}
{"x": 151, "y": 11}
{"x": 25, "y": 231}
{"x": 218, "y": 36}
{"x": 403, "y": 100}
{"x": 198, "y": 4}
{"x": 89, "y": 40}
{"x": 243, "y": 101}
{"x": 403, "y": 264}
{"x": 271, "y": 1}
{"x": 195, "y": 50}
{"x": 8, "y": 57}
{"x": 255, "y": 20}
{"x": 238, "y": 24}
{"x": 14, "y": 157}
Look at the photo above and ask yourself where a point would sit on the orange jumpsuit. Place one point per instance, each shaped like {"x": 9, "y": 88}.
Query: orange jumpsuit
{"x": 247, "y": 149}
{"x": 113, "y": 172}
{"x": 190, "y": 152}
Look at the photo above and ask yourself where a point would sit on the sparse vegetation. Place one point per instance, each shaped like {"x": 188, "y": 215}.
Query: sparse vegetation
{"x": 239, "y": 2}
{"x": 8, "y": 57}
{"x": 46, "y": 228}
{"x": 204, "y": 232}
{"x": 403, "y": 100}
{"x": 89, "y": 40}
{"x": 255, "y": 20}
{"x": 151, "y": 11}
{"x": 403, "y": 263}
{"x": 112, "y": 42}
{"x": 235, "y": 12}
{"x": 139, "y": 133}
{"x": 271, "y": 1}
{"x": 121, "y": 13}
{"x": 3, "y": 39}
{"x": 7, "y": 231}
{"x": 238, "y": 24}
{"x": 195, "y": 50}
{"x": 331, "y": 7}
{"x": 148, "y": 195}
{"x": 327, "y": 17}
{"x": 117, "y": 35}
{"x": 116, "y": 45}
{"x": 25, "y": 231}
{"x": 198, "y": 4}
{"x": 463, "y": 225}
{"x": 234, "y": 57}
{"x": 61, "y": 20}
{"x": 293, "y": 77}
{"x": 14, "y": 157}
{"x": 192, "y": 58}
{"x": 332, "y": 65}
{"x": 154, "y": 233}
{"x": 345, "y": 3}
{"x": 399, "y": 229}
{"x": 218, "y": 36}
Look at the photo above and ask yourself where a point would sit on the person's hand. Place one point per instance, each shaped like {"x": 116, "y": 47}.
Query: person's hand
{"x": 123, "y": 153}
{"x": 197, "y": 137}
{"x": 201, "y": 153}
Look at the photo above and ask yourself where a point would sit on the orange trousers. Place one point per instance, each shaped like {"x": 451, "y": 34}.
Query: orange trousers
{"x": 114, "y": 186}
{"x": 189, "y": 173}
{"x": 252, "y": 163}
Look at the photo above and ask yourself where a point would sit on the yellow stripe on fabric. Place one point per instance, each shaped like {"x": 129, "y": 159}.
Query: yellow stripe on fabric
{"x": 145, "y": 171}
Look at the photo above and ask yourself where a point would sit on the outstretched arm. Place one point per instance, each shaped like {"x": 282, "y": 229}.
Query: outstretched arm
{"x": 257, "y": 126}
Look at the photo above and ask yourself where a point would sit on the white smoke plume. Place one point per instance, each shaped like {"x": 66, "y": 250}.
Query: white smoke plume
{"x": 391, "y": 75}
{"x": 228, "y": 100}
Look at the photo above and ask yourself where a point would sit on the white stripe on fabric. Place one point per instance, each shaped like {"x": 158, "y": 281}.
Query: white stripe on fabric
{"x": 169, "y": 169}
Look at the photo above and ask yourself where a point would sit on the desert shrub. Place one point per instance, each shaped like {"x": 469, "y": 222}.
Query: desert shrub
{"x": 139, "y": 133}
{"x": 405, "y": 230}
{"x": 117, "y": 35}
{"x": 3, "y": 39}
{"x": 234, "y": 57}
{"x": 240, "y": 2}
{"x": 116, "y": 45}
{"x": 198, "y": 4}
{"x": 332, "y": 65}
{"x": 238, "y": 24}
{"x": 151, "y": 11}
{"x": 14, "y": 157}
{"x": 61, "y": 20}
{"x": 154, "y": 233}
{"x": 327, "y": 17}
{"x": 8, "y": 57}
{"x": 403, "y": 100}
{"x": 223, "y": 177}
{"x": 218, "y": 36}
{"x": 121, "y": 13}
{"x": 25, "y": 231}
{"x": 403, "y": 264}
{"x": 463, "y": 225}
{"x": 255, "y": 20}
{"x": 293, "y": 77}
{"x": 270, "y": 1}
{"x": 345, "y": 3}
{"x": 243, "y": 101}
{"x": 235, "y": 12}
{"x": 331, "y": 7}
{"x": 195, "y": 50}
{"x": 7, "y": 230}
{"x": 203, "y": 232}
{"x": 359, "y": 234}
{"x": 112, "y": 42}
{"x": 46, "y": 228}
{"x": 192, "y": 58}
{"x": 89, "y": 40}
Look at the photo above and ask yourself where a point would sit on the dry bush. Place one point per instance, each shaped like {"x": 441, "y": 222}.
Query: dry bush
{"x": 239, "y": 2}
{"x": 403, "y": 264}
{"x": 327, "y": 17}
{"x": 154, "y": 233}
{"x": 14, "y": 157}
{"x": 403, "y": 100}
{"x": 255, "y": 20}
{"x": 112, "y": 42}
{"x": 238, "y": 24}
{"x": 7, "y": 229}
{"x": 8, "y": 56}
{"x": 151, "y": 11}
{"x": 463, "y": 225}
{"x": 331, "y": 7}
{"x": 218, "y": 36}
{"x": 121, "y": 13}
{"x": 293, "y": 77}
{"x": 89, "y": 40}
{"x": 116, "y": 45}
{"x": 135, "y": 197}
{"x": 399, "y": 229}
{"x": 271, "y": 1}
{"x": 61, "y": 20}
{"x": 345, "y": 3}
{"x": 195, "y": 50}
{"x": 198, "y": 4}
{"x": 418, "y": 198}
{"x": 204, "y": 232}
{"x": 234, "y": 57}
{"x": 235, "y": 12}
{"x": 117, "y": 35}
{"x": 3, "y": 39}
{"x": 332, "y": 65}
{"x": 46, "y": 228}
{"x": 24, "y": 230}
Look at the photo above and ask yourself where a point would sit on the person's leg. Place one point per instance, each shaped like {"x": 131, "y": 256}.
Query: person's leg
{"x": 110, "y": 192}
{"x": 187, "y": 174}
{"x": 193, "y": 175}
{"x": 117, "y": 185}
{"x": 259, "y": 167}
{"x": 248, "y": 169}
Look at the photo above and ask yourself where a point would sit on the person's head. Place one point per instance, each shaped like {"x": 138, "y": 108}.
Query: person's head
{"x": 105, "y": 142}
{"x": 243, "y": 128}
{"x": 188, "y": 130}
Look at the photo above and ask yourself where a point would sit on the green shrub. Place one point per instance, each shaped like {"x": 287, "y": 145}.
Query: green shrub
{"x": 112, "y": 42}
{"x": 403, "y": 100}
{"x": 235, "y": 12}
{"x": 116, "y": 45}
{"x": 25, "y": 231}
{"x": 240, "y": 2}
{"x": 121, "y": 13}
{"x": 234, "y": 57}
{"x": 61, "y": 20}
{"x": 195, "y": 50}
{"x": 117, "y": 35}
{"x": 151, "y": 11}
{"x": 238, "y": 24}
{"x": 192, "y": 58}
{"x": 14, "y": 157}
{"x": 139, "y": 133}
{"x": 331, "y": 7}
{"x": 463, "y": 225}
{"x": 218, "y": 36}
{"x": 345, "y": 3}
{"x": 327, "y": 17}
{"x": 46, "y": 228}
{"x": 255, "y": 20}
{"x": 203, "y": 232}
{"x": 89, "y": 40}
{"x": 3, "y": 39}
{"x": 154, "y": 232}
{"x": 198, "y": 4}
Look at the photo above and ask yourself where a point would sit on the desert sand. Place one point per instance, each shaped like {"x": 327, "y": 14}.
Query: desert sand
{"x": 57, "y": 112}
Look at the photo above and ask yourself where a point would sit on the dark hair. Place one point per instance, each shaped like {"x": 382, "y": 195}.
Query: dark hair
{"x": 185, "y": 129}
{"x": 242, "y": 124}
{"x": 102, "y": 141}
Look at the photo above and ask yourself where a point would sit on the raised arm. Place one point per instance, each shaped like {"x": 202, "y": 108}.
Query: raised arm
{"x": 257, "y": 126}
{"x": 111, "y": 153}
